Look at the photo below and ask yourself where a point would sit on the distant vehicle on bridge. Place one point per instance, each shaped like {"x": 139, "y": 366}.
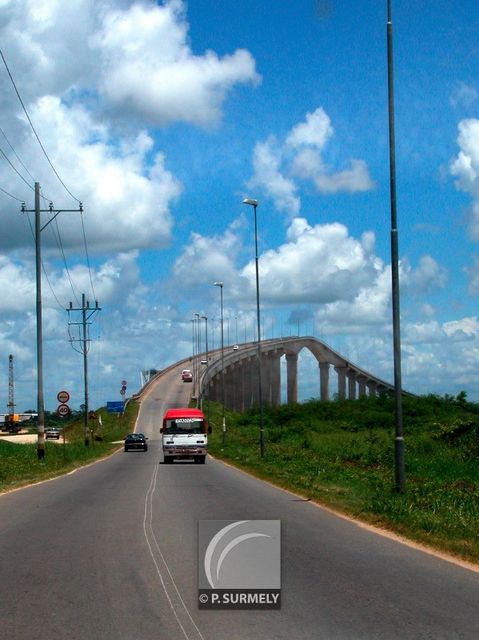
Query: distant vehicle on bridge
{"x": 186, "y": 375}
{"x": 184, "y": 435}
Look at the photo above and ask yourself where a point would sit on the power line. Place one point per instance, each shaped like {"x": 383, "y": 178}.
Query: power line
{"x": 16, "y": 154}
{"x": 34, "y": 130}
{"x": 20, "y": 161}
{"x": 54, "y": 171}
{"x": 58, "y": 239}
{"x": 16, "y": 170}
{"x": 87, "y": 256}
{"x": 9, "y": 194}
{"x": 44, "y": 269}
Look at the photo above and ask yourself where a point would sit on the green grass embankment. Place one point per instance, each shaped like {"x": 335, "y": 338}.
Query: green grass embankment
{"x": 19, "y": 463}
{"x": 341, "y": 454}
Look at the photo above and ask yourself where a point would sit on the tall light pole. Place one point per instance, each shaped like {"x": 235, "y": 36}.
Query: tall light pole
{"x": 254, "y": 203}
{"x": 223, "y": 428}
{"x": 196, "y": 381}
{"x": 400, "y": 482}
{"x": 205, "y": 318}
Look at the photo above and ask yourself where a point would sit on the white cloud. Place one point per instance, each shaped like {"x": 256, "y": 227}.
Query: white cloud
{"x": 351, "y": 180}
{"x": 268, "y": 176}
{"x": 465, "y": 167}
{"x": 464, "y": 95}
{"x": 205, "y": 260}
{"x": 127, "y": 203}
{"x": 149, "y": 70}
{"x": 315, "y": 131}
{"x": 465, "y": 327}
{"x": 427, "y": 277}
{"x": 319, "y": 264}
{"x": 276, "y": 165}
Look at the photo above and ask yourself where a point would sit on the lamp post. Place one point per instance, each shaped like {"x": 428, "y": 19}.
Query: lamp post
{"x": 400, "y": 480}
{"x": 254, "y": 203}
{"x": 193, "y": 325}
{"x": 196, "y": 385}
{"x": 205, "y": 318}
{"x": 223, "y": 428}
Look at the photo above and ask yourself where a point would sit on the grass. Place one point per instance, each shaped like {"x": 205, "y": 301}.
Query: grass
{"x": 342, "y": 455}
{"x": 19, "y": 463}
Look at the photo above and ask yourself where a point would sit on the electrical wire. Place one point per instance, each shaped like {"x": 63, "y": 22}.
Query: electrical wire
{"x": 87, "y": 256}
{"x": 2, "y": 152}
{"x": 58, "y": 240}
{"x": 54, "y": 171}
{"x": 44, "y": 270}
{"x": 9, "y": 194}
{"x": 16, "y": 154}
{"x": 20, "y": 161}
{"x": 34, "y": 130}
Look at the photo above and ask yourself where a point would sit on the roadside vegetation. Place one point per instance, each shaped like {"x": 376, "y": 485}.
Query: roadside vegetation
{"x": 341, "y": 454}
{"x": 19, "y": 464}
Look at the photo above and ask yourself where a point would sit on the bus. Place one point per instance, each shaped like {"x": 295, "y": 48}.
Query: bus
{"x": 184, "y": 435}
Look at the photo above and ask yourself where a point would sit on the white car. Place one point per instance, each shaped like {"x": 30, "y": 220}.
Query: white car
{"x": 52, "y": 432}
{"x": 186, "y": 375}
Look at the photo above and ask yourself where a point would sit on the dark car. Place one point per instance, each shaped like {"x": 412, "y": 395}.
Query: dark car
{"x": 136, "y": 441}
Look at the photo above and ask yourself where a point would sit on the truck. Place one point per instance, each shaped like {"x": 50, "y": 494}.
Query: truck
{"x": 184, "y": 435}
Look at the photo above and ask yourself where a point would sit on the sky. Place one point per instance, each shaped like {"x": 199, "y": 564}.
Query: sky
{"x": 161, "y": 117}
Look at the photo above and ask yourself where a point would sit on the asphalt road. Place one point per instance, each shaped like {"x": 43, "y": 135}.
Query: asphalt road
{"x": 110, "y": 553}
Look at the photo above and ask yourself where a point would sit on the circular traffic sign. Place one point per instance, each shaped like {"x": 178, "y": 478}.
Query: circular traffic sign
{"x": 63, "y": 396}
{"x": 123, "y": 383}
{"x": 122, "y": 391}
{"x": 63, "y": 410}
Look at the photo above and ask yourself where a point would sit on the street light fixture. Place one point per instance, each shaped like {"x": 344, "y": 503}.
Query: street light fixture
{"x": 220, "y": 285}
{"x": 196, "y": 381}
{"x": 205, "y": 318}
{"x": 254, "y": 203}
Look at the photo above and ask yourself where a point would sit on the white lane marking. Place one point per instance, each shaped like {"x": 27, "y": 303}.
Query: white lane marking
{"x": 148, "y": 531}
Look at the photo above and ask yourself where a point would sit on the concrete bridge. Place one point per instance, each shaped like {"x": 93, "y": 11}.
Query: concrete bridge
{"x": 241, "y": 373}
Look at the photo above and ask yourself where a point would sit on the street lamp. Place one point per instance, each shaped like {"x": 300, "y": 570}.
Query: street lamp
{"x": 220, "y": 285}
{"x": 205, "y": 318}
{"x": 196, "y": 385}
{"x": 254, "y": 203}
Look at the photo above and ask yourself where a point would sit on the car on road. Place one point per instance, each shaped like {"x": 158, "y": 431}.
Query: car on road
{"x": 136, "y": 441}
{"x": 186, "y": 375}
{"x": 52, "y": 432}
{"x": 235, "y": 347}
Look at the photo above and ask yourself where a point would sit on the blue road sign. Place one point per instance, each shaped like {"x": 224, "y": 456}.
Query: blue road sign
{"x": 114, "y": 407}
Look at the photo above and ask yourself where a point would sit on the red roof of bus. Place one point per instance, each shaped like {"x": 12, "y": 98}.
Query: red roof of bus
{"x": 183, "y": 413}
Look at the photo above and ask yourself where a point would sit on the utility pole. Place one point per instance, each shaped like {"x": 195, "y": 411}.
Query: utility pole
{"x": 87, "y": 313}
{"x": 9, "y": 418}
{"x": 38, "y": 271}
{"x": 11, "y": 400}
{"x": 399, "y": 472}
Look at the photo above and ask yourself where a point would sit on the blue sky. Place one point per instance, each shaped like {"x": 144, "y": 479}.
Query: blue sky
{"x": 161, "y": 117}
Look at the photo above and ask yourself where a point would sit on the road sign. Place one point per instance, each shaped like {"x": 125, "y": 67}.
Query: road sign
{"x": 123, "y": 383}
{"x": 63, "y": 410}
{"x": 115, "y": 407}
{"x": 63, "y": 397}
{"x": 122, "y": 391}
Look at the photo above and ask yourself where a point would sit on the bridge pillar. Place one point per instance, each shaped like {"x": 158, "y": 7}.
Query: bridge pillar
{"x": 275, "y": 377}
{"x": 351, "y": 385}
{"x": 271, "y": 379}
{"x": 292, "y": 377}
{"x": 362, "y": 386}
{"x": 250, "y": 383}
{"x": 324, "y": 380}
{"x": 372, "y": 386}
{"x": 341, "y": 371}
